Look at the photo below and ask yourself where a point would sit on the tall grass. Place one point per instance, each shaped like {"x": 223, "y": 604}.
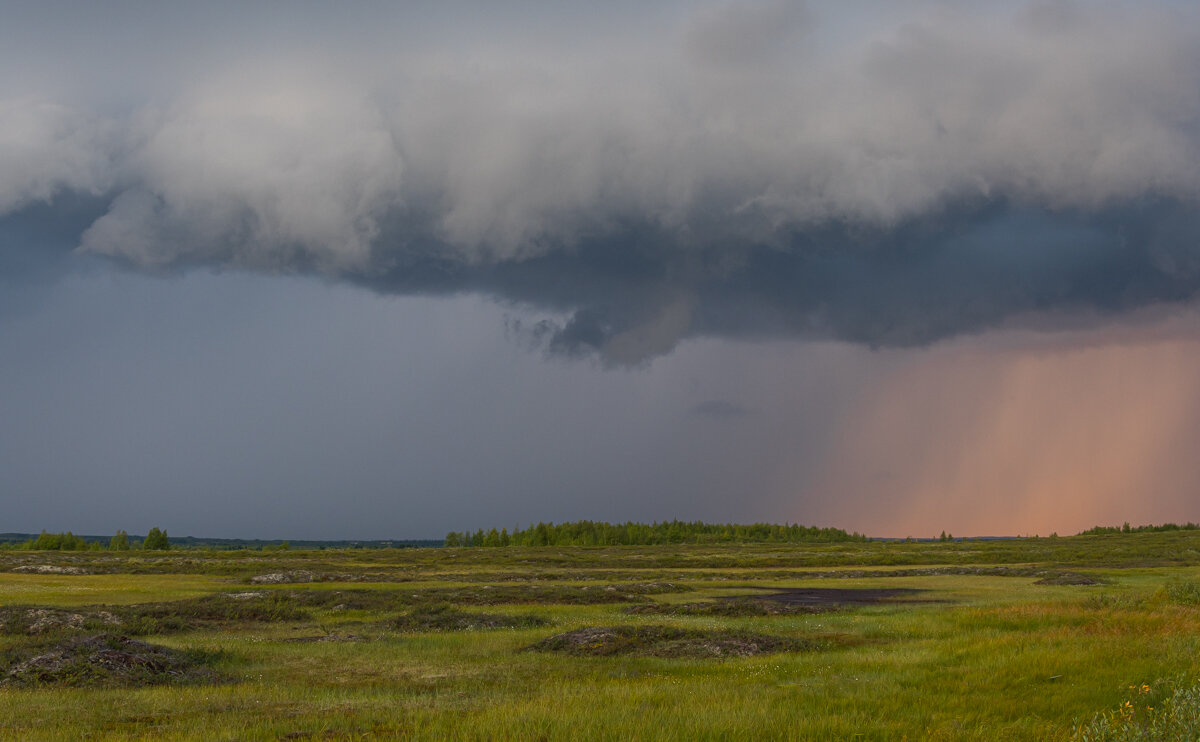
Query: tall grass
{"x": 1147, "y": 717}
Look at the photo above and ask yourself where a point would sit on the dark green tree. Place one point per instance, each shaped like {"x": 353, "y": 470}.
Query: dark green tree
{"x": 48, "y": 541}
{"x": 119, "y": 542}
{"x": 156, "y": 540}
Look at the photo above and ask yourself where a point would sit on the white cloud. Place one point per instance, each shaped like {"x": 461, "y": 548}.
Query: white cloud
{"x": 47, "y": 147}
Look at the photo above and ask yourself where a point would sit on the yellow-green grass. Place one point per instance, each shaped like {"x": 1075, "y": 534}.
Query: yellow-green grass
{"x": 73, "y": 590}
{"x": 991, "y": 658}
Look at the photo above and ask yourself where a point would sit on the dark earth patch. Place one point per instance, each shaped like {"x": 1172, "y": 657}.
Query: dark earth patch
{"x": 445, "y": 617}
{"x": 670, "y": 641}
{"x": 108, "y": 660}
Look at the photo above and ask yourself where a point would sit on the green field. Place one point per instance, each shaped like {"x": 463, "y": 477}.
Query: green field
{"x": 986, "y": 640}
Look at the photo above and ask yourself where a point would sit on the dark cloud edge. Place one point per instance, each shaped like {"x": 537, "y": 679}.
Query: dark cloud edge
{"x": 629, "y": 291}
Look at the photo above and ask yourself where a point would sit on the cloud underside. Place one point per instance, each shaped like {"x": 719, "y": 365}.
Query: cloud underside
{"x": 751, "y": 170}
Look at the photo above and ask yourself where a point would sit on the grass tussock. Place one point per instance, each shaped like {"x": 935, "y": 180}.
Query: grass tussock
{"x": 105, "y": 660}
{"x": 1183, "y": 592}
{"x": 445, "y": 617}
{"x": 670, "y": 641}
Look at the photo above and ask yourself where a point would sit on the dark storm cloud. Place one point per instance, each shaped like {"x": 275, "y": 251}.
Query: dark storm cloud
{"x": 892, "y": 177}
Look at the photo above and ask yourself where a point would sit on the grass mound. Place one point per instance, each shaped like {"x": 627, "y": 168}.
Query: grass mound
{"x": 152, "y": 618}
{"x": 669, "y": 641}
{"x": 444, "y": 617}
{"x": 733, "y": 608}
{"x": 25, "y": 620}
{"x": 104, "y": 660}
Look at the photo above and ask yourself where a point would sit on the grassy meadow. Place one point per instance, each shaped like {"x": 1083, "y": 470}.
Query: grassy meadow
{"x": 1024, "y": 639}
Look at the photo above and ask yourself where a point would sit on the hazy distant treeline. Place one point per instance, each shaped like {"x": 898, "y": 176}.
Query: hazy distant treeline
{"x": 1098, "y": 530}
{"x": 594, "y": 533}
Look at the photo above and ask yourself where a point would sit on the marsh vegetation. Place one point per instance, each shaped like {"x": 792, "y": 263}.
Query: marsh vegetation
{"x": 1027, "y": 639}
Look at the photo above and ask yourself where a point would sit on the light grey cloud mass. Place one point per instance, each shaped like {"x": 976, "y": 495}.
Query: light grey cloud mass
{"x": 658, "y": 169}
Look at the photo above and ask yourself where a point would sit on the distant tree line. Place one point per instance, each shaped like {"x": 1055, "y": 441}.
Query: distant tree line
{"x": 156, "y": 540}
{"x": 594, "y": 533}
{"x": 1099, "y": 530}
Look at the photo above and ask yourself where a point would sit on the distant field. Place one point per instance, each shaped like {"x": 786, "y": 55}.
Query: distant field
{"x": 1020, "y": 639}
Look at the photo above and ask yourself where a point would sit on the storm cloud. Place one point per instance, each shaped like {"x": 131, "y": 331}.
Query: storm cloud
{"x": 894, "y": 176}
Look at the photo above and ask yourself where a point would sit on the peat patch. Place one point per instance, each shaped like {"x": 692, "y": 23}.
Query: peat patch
{"x": 670, "y": 641}
{"x": 109, "y": 660}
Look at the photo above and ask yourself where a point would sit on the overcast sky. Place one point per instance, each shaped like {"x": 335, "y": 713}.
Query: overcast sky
{"x": 379, "y": 270}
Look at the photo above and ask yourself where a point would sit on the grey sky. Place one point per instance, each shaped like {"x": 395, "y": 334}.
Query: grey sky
{"x": 384, "y": 270}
